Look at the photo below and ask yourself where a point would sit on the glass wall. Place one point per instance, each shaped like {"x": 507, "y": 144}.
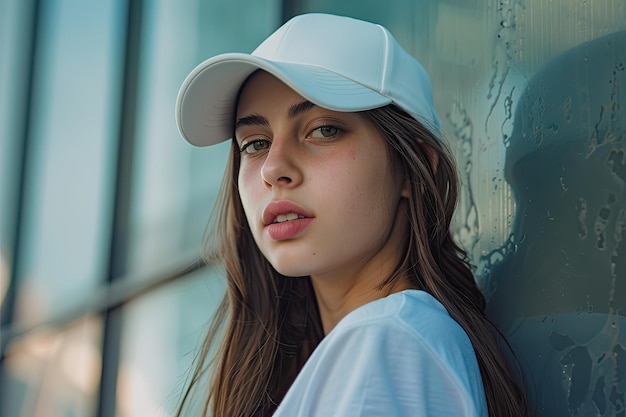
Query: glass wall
{"x": 72, "y": 125}
{"x": 103, "y": 206}
{"x": 533, "y": 102}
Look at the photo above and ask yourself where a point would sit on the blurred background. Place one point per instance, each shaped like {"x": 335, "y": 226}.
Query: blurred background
{"x": 103, "y": 206}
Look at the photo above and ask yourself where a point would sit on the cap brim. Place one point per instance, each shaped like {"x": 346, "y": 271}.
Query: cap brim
{"x": 205, "y": 108}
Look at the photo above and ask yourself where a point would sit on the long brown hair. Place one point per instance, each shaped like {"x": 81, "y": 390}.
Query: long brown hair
{"x": 268, "y": 324}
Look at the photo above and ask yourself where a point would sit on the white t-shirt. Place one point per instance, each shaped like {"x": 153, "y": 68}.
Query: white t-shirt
{"x": 401, "y": 355}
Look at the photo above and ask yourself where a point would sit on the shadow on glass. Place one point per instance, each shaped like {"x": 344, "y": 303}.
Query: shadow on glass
{"x": 560, "y": 294}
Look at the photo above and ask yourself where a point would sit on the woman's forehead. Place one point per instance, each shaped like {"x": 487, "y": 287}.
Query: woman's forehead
{"x": 263, "y": 90}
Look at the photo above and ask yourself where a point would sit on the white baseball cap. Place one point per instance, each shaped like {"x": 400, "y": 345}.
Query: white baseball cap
{"x": 336, "y": 62}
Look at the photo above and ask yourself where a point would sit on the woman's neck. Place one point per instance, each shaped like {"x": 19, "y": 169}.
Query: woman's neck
{"x": 336, "y": 299}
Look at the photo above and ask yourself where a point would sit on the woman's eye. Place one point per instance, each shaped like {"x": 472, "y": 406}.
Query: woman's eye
{"x": 255, "y": 146}
{"x": 324, "y": 132}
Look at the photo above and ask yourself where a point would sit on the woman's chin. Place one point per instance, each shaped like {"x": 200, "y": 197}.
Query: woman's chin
{"x": 291, "y": 270}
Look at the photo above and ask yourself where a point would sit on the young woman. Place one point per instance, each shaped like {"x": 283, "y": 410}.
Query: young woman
{"x": 346, "y": 295}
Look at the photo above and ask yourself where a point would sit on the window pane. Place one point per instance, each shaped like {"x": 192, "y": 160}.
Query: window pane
{"x": 54, "y": 373}
{"x": 73, "y": 130}
{"x": 536, "y": 118}
{"x": 175, "y": 184}
{"x": 160, "y": 335}
{"x": 14, "y": 25}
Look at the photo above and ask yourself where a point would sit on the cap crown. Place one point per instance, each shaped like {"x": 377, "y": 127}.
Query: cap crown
{"x": 352, "y": 48}
{"x": 360, "y": 51}
{"x": 336, "y": 62}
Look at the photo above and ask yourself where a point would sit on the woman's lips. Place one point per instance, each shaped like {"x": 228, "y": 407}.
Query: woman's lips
{"x": 288, "y": 229}
{"x": 285, "y": 220}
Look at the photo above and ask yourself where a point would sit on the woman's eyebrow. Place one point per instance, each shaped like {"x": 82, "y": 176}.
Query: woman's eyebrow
{"x": 252, "y": 120}
{"x": 299, "y": 108}
{"x": 258, "y": 120}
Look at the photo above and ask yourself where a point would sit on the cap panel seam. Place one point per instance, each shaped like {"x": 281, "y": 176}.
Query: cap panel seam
{"x": 383, "y": 85}
{"x": 279, "y": 47}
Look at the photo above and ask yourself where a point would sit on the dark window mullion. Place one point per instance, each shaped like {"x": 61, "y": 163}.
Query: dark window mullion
{"x": 23, "y": 135}
{"x": 121, "y": 212}
{"x": 22, "y": 155}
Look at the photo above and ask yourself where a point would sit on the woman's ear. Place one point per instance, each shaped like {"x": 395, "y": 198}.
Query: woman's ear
{"x": 406, "y": 189}
{"x": 431, "y": 154}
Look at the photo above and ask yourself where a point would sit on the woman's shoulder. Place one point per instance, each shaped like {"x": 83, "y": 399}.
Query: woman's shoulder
{"x": 395, "y": 356}
{"x": 407, "y": 314}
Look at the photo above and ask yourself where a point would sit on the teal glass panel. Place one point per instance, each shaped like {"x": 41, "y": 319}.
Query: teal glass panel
{"x": 160, "y": 334}
{"x": 533, "y": 102}
{"x": 174, "y": 184}
{"x": 54, "y": 372}
{"x": 70, "y": 170}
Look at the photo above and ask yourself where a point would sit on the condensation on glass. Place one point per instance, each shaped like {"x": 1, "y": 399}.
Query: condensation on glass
{"x": 558, "y": 285}
{"x": 532, "y": 96}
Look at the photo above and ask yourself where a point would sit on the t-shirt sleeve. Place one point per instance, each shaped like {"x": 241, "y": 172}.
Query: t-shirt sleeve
{"x": 386, "y": 369}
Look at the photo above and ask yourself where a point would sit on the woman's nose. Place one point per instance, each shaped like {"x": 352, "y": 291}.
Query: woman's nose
{"x": 281, "y": 167}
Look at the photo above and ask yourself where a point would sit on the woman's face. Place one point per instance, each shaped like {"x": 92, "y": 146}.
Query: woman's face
{"x": 316, "y": 185}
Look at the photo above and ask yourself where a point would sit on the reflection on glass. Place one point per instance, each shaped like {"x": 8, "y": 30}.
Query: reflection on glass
{"x": 160, "y": 335}
{"x": 561, "y": 294}
{"x": 68, "y": 198}
{"x": 54, "y": 372}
